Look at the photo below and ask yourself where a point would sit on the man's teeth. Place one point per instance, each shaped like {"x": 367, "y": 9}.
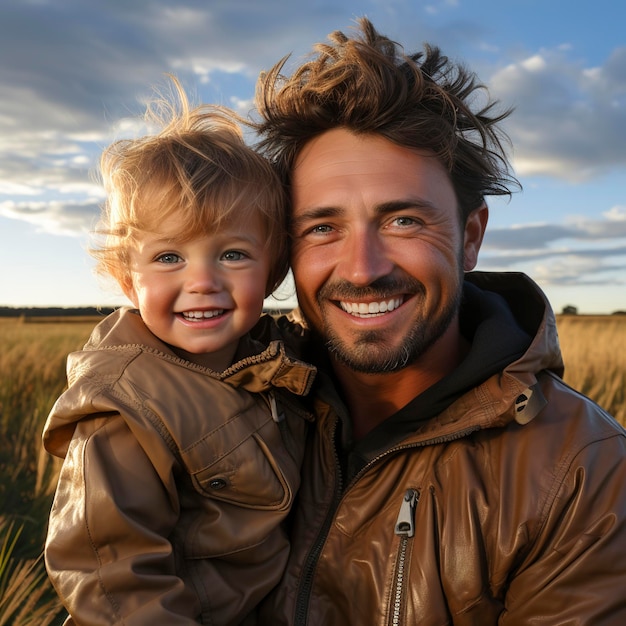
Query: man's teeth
{"x": 193, "y": 316}
{"x": 363, "y": 309}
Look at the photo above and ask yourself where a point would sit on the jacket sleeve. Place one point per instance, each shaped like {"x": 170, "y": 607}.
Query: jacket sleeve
{"x": 576, "y": 571}
{"x": 107, "y": 551}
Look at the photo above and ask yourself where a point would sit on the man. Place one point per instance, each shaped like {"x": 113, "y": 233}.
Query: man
{"x": 453, "y": 478}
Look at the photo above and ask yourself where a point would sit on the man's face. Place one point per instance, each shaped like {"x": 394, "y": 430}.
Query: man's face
{"x": 378, "y": 250}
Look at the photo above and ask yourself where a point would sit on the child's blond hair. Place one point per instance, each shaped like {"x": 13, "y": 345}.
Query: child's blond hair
{"x": 196, "y": 166}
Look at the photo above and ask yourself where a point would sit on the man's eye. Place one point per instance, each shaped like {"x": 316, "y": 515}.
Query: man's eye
{"x": 403, "y": 220}
{"x": 168, "y": 257}
{"x": 319, "y": 229}
{"x": 233, "y": 255}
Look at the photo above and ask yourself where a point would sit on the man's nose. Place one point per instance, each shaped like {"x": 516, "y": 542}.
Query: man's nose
{"x": 363, "y": 258}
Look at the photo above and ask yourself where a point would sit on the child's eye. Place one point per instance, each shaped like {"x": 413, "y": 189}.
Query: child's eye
{"x": 233, "y": 255}
{"x": 168, "y": 257}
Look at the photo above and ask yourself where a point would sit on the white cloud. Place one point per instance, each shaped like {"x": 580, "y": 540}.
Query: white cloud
{"x": 616, "y": 214}
{"x": 581, "y": 250}
{"x": 569, "y": 121}
{"x": 534, "y": 64}
{"x": 566, "y": 270}
{"x": 59, "y": 218}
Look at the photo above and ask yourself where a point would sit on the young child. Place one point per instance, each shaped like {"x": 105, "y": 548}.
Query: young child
{"x": 182, "y": 434}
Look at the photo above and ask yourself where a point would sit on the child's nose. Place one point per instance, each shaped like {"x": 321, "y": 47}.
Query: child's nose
{"x": 204, "y": 278}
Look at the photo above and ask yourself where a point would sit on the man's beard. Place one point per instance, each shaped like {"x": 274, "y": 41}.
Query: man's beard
{"x": 369, "y": 353}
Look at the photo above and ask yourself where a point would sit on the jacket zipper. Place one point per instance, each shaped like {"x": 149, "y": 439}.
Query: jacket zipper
{"x": 303, "y": 594}
{"x": 278, "y": 415}
{"x": 405, "y": 529}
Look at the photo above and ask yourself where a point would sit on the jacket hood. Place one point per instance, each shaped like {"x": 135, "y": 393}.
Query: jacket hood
{"x": 512, "y": 394}
{"x": 531, "y": 310}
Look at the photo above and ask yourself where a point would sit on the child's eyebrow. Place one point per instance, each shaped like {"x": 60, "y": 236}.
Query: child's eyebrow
{"x": 160, "y": 241}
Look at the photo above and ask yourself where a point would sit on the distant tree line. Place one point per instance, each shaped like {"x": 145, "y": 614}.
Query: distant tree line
{"x": 91, "y": 311}
{"x": 569, "y": 309}
{"x": 86, "y": 311}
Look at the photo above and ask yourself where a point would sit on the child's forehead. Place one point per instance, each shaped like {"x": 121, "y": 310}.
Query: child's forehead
{"x": 174, "y": 216}
{"x": 176, "y": 227}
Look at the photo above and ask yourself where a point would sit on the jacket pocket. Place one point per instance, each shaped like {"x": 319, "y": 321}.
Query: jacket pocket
{"x": 248, "y": 476}
{"x": 240, "y": 501}
{"x": 244, "y": 464}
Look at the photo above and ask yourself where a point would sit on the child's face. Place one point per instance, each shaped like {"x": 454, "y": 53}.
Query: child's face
{"x": 201, "y": 296}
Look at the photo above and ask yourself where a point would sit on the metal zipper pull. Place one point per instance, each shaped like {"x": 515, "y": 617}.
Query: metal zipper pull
{"x": 405, "y": 524}
{"x": 405, "y": 529}
{"x": 276, "y": 416}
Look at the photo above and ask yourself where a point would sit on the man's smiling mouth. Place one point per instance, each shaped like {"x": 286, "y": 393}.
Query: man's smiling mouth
{"x": 371, "y": 309}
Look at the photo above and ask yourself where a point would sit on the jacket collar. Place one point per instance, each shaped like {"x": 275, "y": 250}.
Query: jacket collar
{"x": 257, "y": 367}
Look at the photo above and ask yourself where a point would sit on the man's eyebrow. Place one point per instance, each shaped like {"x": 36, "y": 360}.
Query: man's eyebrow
{"x": 384, "y": 207}
{"x": 406, "y": 203}
{"x": 322, "y": 212}
{"x": 314, "y": 213}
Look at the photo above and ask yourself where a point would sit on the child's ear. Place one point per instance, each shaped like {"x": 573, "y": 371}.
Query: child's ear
{"x": 126, "y": 283}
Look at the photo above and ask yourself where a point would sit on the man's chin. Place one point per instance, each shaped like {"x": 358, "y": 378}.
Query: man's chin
{"x": 369, "y": 357}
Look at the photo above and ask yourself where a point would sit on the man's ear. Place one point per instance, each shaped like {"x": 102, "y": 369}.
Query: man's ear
{"x": 475, "y": 227}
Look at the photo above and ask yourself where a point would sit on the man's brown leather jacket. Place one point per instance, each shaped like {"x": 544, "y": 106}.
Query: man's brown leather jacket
{"x": 508, "y": 507}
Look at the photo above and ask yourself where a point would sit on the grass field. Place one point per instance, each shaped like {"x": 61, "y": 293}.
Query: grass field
{"x": 594, "y": 352}
{"x": 32, "y": 375}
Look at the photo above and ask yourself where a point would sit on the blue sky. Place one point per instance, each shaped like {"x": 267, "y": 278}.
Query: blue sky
{"x": 74, "y": 75}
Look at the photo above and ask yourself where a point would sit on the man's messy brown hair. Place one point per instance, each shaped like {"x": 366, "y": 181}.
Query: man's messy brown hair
{"x": 368, "y": 85}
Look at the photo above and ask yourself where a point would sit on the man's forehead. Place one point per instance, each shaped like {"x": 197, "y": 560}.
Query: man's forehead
{"x": 340, "y": 168}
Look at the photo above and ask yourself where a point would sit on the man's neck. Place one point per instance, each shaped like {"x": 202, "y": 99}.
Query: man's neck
{"x": 372, "y": 398}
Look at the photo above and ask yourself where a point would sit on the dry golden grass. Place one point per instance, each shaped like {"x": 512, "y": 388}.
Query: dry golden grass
{"x": 32, "y": 371}
{"x": 594, "y": 352}
{"x": 32, "y": 375}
